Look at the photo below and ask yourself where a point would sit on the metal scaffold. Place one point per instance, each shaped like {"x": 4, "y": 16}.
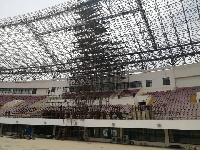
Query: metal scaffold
{"x": 94, "y": 42}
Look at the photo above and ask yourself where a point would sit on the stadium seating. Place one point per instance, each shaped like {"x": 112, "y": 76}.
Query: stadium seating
{"x": 22, "y": 108}
{"x": 176, "y": 104}
{"x": 171, "y": 104}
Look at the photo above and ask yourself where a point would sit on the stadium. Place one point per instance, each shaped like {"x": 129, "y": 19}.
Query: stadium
{"x": 112, "y": 71}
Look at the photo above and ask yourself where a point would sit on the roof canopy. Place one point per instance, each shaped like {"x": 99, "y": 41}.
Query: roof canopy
{"x": 127, "y": 34}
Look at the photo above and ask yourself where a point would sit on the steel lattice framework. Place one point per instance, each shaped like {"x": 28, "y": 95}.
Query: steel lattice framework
{"x": 99, "y": 38}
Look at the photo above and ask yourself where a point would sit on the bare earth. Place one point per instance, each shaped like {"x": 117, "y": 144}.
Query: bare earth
{"x": 50, "y": 144}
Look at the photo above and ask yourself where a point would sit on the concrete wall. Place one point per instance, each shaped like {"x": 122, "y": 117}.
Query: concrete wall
{"x": 151, "y": 124}
{"x": 42, "y": 86}
{"x": 123, "y": 101}
{"x": 42, "y": 91}
{"x": 180, "y": 76}
{"x": 198, "y": 97}
{"x": 12, "y": 103}
{"x": 188, "y": 75}
{"x": 187, "y": 70}
{"x": 35, "y": 84}
{"x": 188, "y": 81}
{"x": 157, "y": 80}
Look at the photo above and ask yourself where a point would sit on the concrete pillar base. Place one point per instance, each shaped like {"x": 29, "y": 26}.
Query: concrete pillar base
{"x": 166, "y": 137}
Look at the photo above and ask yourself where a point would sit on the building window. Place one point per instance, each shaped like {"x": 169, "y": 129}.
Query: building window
{"x": 53, "y": 89}
{"x": 135, "y": 84}
{"x": 166, "y": 81}
{"x": 34, "y": 91}
{"x": 148, "y": 83}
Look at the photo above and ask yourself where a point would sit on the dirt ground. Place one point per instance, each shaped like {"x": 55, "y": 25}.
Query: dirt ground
{"x": 51, "y": 144}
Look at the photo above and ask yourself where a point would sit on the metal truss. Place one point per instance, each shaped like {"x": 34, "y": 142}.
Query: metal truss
{"x": 90, "y": 40}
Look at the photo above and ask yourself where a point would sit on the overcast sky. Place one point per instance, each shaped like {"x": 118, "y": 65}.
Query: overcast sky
{"x": 11, "y": 8}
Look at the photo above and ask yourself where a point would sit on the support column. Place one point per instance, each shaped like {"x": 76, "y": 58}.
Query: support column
{"x": 166, "y": 137}
{"x": 54, "y": 131}
{"x": 1, "y": 128}
{"x": 121, "y": 133}
{"x": 86, "y": 134}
